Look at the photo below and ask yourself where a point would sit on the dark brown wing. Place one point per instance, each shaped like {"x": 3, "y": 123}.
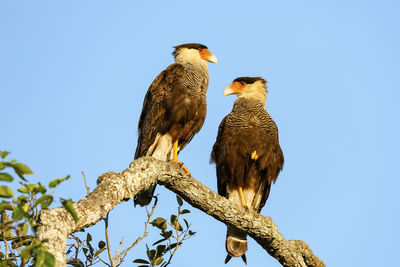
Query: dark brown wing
{"x": 194, "y": 124}
{"x": 153, "y": 118}
{"x": 269, "y": 164}
{"x": 222, "y": 174}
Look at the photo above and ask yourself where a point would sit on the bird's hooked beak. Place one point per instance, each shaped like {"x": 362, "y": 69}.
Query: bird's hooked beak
{"x": 233, "y": 88}
{"x": 207, "y": 56}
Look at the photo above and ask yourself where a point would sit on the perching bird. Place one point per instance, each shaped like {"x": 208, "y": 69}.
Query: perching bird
{"x": 174, "y": 108}
{"x": 247, "y": 154}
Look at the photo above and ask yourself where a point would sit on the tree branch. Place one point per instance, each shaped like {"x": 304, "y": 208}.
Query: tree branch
{"x": 56, "y": 224}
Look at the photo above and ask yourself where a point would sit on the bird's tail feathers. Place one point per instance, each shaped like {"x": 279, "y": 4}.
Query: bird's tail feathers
{"x": 144, "y": 198}
{"x": 229, "y": 257}
{"x": 236, "y": 244}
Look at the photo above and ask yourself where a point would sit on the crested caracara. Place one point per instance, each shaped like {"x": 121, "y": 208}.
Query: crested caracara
{"x": 247, "y": 154}
{"x": 174, "y": 108}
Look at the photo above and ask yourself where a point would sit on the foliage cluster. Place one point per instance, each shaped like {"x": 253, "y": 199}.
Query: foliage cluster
{"x": 20, "y": 212}
{"x": 20, "y": 209}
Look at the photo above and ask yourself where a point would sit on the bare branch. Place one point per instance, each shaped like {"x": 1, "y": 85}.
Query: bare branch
{"x": 144, "y": 233}
{"x": 56, "y": 224}
{"x": 103, "y": 261}
{"x": 87, "y": 187}
{"x": 108, "y": 241}
{"x": 115, "y": 258}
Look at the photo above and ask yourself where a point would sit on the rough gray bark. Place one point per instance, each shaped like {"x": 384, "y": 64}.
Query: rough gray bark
{"x": 56, "y": 224}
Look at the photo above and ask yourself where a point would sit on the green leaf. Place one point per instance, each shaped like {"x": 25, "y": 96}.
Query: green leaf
{"x": 151, "y": 254}
{"x": 24, "y": 190}
{"x": 27, "y": 188}
{"x": 191, "y": 233}
{"x": 24, "y": 228}
{"x": 26, "y": 253}
{"x": 186, "y": 222}
{"x": 160, "y": 250}
{"x": 167, "y": 234}
{"x": 173, "y": 219}
{"x": 172, "y": 246}
{"x": 21, "y": 170}
{"x": 18, "y": 213}
{"x": 8, "y": 262}
{"x": 99, "y": 251}
{"x": 44, "y": 201}
{"x": 159, "y": 241}
{"x": 102, "y": 244}
{"x": 4, "y": 154}
{"x": 76, "y": 263}
{"x": 158, "y": 221}
{"x": 179, "y": 226}
{"x": 39, "y": 188}
{"x": 21, "y": 241}
{"x": 159, "y": 260}
{"x": 20, "y": 199}
{"x": 44, "y": 259}
{"x": 24, "y": 206}
{"x": 2, "y": 165}
{"x": 141, "y": 261}
{"x": 89, "y": 237}
{"x": 176, "y": 223}
{"x": 69, "y": 206}
{"x": 184, "y": 211}
{"x": 56, "y": 182}
{"x": 5, "y": 206}
{"x": 5, "y": 191}
{"x": 179, "y": 200}
{"x": 6, "y": 177}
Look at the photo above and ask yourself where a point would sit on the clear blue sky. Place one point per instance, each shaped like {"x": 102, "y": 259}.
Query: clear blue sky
{"x": 73, "y": 75}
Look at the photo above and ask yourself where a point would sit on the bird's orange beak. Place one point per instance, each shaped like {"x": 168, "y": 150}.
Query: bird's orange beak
{"x": 207, "y": 56}
{"x": 234, "y": 88}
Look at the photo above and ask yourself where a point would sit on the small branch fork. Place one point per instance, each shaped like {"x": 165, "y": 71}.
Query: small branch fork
{"x": 113, "y": 188}
{"x": 108, "y": 240}
{"x": 87, "y": 187}
{"x": 119, "y": 257}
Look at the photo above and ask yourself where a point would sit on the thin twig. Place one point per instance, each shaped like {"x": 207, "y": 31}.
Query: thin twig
{"x": 178, "y": 242}
{"x": 6, "y": 244}
{"x": 78, "y": 244}
{"x": 108, "y": 241}
{"x": 119, "y": 247}
{"x": 87, "y": 187}
{"x": 176, "y": 247}
{"x": 121, "y": 259}
{"x": 117, "y": 257}
{"x": 103, "y": 261}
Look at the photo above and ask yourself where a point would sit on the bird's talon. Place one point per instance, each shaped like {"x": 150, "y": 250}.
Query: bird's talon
{"x": 184, "y": 168}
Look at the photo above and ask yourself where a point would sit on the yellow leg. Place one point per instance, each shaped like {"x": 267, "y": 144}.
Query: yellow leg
{"x": 242, "y": 197}
{"x": 175, "y": 157}
{"x": 175, "y": 151}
